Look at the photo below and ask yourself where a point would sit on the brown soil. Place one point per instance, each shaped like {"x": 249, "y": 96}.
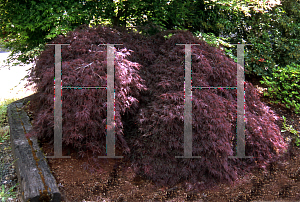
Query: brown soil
{"x": 118, "y": 182}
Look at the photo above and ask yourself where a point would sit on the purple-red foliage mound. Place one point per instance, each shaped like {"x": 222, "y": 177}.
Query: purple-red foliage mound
{"x": 153, "y": 128}
{"x": 84, "y": 111}
{"x": 161, "y": 123}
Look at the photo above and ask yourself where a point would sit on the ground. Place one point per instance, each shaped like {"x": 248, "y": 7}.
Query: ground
{"x": 280, "y": 183}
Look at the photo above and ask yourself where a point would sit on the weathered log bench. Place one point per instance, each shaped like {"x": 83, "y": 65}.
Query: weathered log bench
{"x": 34, "y": 176}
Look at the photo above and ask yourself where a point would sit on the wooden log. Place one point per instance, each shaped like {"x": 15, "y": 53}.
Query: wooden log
{"x": 34, "y": 176}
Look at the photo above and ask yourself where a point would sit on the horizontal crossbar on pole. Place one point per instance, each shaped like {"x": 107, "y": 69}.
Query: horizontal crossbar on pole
{"x": 83, "y": 87}
{"x": 214, "y": 87}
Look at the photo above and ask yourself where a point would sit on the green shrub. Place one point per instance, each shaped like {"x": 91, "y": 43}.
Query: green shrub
{"x": 275, "y": 38}
{"x": 284, "y": 86}
{"x": 273, "y": 33}
{"x": 219, "y": 42}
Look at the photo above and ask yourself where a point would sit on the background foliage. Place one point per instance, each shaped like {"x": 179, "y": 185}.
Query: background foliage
{"x": 26, "y": 26}
{"x": 284, "y": 86}
{"x": 274, "y": 36}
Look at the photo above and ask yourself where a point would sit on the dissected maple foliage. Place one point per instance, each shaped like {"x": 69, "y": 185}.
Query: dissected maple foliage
{"x": 84, "y": 63}
{"x": 149, "y": 89}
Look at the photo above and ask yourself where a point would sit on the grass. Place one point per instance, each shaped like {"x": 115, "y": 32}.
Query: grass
{"x": 4, "y": 136}
{"x": 5, "y": 194}
{"x": 3, "y": 111}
